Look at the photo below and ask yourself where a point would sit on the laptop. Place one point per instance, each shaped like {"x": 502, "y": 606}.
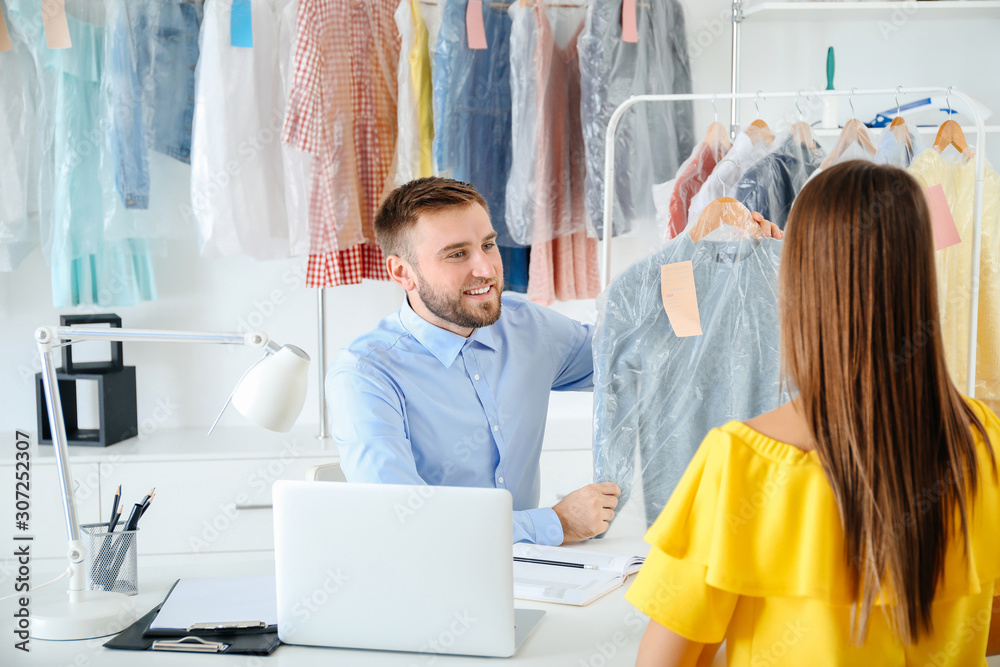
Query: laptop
{"x": 427, "y": 569}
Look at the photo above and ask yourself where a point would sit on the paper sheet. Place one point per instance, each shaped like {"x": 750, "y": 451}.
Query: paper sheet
{"x": 218, "y": 600}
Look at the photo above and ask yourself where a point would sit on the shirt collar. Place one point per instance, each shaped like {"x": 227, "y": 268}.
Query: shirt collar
{"x": 443, "y": 344}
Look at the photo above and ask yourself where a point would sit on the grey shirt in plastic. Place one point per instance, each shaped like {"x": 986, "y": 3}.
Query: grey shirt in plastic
{"x": 652, "y": 139}
{"x": 658, "y": 395}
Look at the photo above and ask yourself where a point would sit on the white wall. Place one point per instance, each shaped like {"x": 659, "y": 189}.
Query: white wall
{"x": 186, "y": 385}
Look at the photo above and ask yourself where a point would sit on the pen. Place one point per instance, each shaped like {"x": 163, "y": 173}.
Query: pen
{"x": 580, "y": 566}
{"x": 114, "y": 509}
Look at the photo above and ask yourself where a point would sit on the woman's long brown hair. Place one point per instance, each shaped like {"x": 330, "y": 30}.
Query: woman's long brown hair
{"x": 861, "y": 342}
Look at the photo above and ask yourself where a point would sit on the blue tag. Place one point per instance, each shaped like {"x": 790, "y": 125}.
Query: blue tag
{"x": 240, "y": 28}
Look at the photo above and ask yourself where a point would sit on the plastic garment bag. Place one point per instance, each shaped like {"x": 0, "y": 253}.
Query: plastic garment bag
{"x": 544, "y": 203}
{"x": 957, "y": 176}
{"x": 418, "y": 27}
{"x": 88, "y": 266}
{"x": 728, "y": 172}
{"x": 672, "y": 218}
{"x": 657, "y": 395}
{"x": 472, "y": 121}
{"x": 237, "y": 177}
{"x": 898, "y": 146}
{"x": 651, "y": 139}
{"x": 25, "y": 144}
{"x": 770, "y": 185}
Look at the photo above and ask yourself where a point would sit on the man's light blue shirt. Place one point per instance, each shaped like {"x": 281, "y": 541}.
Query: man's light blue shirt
{"x": 412, "y": 403}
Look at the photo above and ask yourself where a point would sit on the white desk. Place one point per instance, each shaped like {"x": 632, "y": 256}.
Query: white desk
{"x": 603, "y": 634}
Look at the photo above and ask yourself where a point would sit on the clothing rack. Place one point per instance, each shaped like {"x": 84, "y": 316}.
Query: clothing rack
{"x": 977, "y": 224}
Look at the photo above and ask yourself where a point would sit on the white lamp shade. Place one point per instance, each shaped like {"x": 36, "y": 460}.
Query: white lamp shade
{"x": 273, "y": 392}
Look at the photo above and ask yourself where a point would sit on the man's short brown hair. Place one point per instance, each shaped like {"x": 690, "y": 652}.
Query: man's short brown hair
{"x": 399, "y": 212}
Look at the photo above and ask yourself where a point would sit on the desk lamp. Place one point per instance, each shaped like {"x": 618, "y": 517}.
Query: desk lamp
{"x": 271, "y": 394}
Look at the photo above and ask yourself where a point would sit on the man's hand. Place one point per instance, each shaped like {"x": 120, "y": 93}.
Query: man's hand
{"x": 587, "y": 511}
{"x": 769, "y": 229}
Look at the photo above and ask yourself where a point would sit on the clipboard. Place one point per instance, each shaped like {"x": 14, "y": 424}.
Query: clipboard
{"x": 208, "y": 607}
{"x": 132, "y": 639}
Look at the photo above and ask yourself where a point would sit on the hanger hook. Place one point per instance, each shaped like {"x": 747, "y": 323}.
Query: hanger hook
{"x": 756, "y": 103}
{"x": 850, "y": 99}
{"x": 714, "y": 107}
{"x": 898, "y": 88}
{"x": 798, "y": 107}
{"x": 947, "y": 99}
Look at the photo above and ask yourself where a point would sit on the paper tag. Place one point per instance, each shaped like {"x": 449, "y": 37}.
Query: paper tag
{"x": 54, "y": 23}
{"x": 474, "y": 28}
{"x": 945, "y": 229}
{"x": 630, "y": 32}
{"x": 680, "y": 299}
{"x": 240, "y": 26}
{"x": 5, "y": 44}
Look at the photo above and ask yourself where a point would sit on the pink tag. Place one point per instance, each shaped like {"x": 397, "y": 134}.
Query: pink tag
{"x": 54, "y": 23}
{"x": 630, "y": 33}
{"x": 945, "y": 230}
{"x": 680, "y": 299}
{"x": 5, "y": 44}
{"x": 474, "y": 28}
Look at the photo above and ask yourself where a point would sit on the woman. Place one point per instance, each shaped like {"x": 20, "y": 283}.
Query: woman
{"x": 858, "y": 524}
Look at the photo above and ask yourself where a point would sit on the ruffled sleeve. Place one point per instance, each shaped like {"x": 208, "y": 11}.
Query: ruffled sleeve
{"x": 756, "y": 517}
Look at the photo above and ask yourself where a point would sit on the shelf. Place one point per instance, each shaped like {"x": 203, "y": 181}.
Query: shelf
{"x": 872, "y": 11}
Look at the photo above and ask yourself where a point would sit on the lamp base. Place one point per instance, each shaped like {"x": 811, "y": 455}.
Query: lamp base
{"x": 95, "y": 614}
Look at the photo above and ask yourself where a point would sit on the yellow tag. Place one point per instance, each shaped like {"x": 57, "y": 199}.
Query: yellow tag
{"x": 680, "y": 299}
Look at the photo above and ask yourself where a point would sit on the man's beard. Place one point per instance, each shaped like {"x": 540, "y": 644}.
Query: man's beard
{"x": 453, "y": 310}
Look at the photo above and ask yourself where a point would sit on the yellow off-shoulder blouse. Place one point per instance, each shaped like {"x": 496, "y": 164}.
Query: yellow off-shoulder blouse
{"x": 750, "y": 549}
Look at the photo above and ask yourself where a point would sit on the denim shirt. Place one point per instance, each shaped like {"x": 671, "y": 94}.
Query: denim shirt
{"x": 151, "y": 53}
{"x": 472, "y": 119}
{"x": 660, "y": 394}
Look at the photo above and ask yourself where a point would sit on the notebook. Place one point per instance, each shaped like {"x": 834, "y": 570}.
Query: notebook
{"x": 568, "y": 575}
{"x": 401, "y": 568}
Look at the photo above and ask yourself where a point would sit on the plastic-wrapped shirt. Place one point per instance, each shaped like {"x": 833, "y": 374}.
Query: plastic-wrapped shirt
{"x": 22, "y": 142}
{"x": 957, "y": 176}
{"x": 472, "y": 121}
{"x": 891, "y": 150}
{"x": 652, "y": 139}
{"x": 659, "y": 395}
{"x": 770, "y": 185}
{"x": 89, "y": 266}
{"x": 727, "y": 173}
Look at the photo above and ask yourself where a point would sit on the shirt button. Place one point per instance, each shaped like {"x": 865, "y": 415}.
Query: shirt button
{"x": 477, "y": 377}
{"x": 500, "y": 480}
{"x": 496, "y": 428}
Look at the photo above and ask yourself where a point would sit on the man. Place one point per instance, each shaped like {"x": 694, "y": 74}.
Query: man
{"x": 453, "y": 388}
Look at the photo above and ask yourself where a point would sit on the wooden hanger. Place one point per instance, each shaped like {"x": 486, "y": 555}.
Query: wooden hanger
{"x": 900, "y": 131}
{"x": 950, "y": 134}
{"x": 804, "y": 134}
{"x": 729, "y": 211}
{"x": 854, "y": 132}
{"x": 759, "y": 131}
{"x": 717, "y": 136}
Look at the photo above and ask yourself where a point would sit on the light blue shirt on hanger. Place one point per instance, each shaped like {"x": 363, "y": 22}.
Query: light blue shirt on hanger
{"x": 412, "y": 403}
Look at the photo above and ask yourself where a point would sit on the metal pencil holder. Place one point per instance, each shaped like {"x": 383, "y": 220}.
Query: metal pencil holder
{"x": 111, "y": 559}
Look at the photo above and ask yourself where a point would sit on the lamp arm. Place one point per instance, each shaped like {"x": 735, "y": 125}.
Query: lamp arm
{"x": 48, "y": 337}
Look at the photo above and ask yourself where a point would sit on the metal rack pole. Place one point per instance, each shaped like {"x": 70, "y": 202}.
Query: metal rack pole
{"x": 609, "y": 174}
{"x": 324, "y": 431}
{"x": 734, "y": 104}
